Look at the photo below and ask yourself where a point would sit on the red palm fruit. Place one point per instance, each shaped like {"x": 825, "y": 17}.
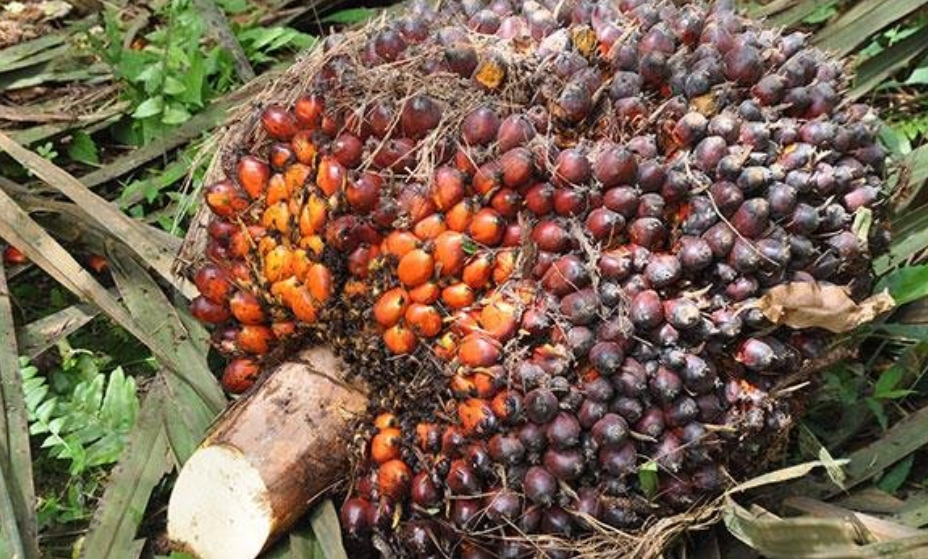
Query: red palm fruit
{"x": 539, "y": 486}
{"x": 280, "y": 155}
{"x": 206, "y": 310}
{"x": 399, "y": 243}
{"x": 478, "y": 350}
{"x": 540, "y": 405}
{"x": 220, "y": 229}
{"x": 449, "y": 253}
{"x": 283, "y": 329}
{"x": 95, "y": 262}
{"x": 461, "y": 478}
{"x": 464, "y": 160}
{"x": 572, "y": 168}
{"x": 459, "y": 217}
{"x": 393, "y": 479}
{"x": 424, "y": 492}
{"x": 550, "y": 235}
{"x": 478, "y": 271}
{"x": 518, "y": 167}
{"x": 400, "y": 340}
{"x": 385, "y": 445}
{"x": 419, "y": 116}
{"x": 255, "y": 338}
{"x": 279, "y": 264}
{"x": 253, "y": 175}
{"x": 331, "y": 176}
{"x": 424, "y": 320}
{"x": 744, "y": 64}
{"x": 362, "y": 194}
{"x": 396, "y": 154}
{"x": 430, "y": 227}
{"x": 487, "y": 227}
{"x": 512, "y": 236}
{"x": 515, "y": 130}
{"x": 487, "y": 381}
{"x": 539, "y": 199}
{"x": 308, "y": 111}
{"x": 355, "y": 517}
{"x": 506, "y": 449}
{"x": 615, "y": 166}
{"x": 360, "y": 259}
{"x": 448, "y": 188}
{"x": 476, "y": 417}
{"x": 213, "y": 283}
{"x": 415, "y": 267}
{"x": 225, "y": 199}
{"x": 304, "y": 148}
{"x": 507, "y": 202}
{"x": 239, "y": 375}
{"x": 348, "y": 149}
{"x": 480, "y": 126}
{"x": 381, "y": 116}
{"x": 278, "y": 122}
{"x": 246, "y": 308}
{"x": 426, "y": 294}
{"x": 391, "y": 306}
{"x": 332, "y": 122}
{"x": 488, "y": 178}
{"x": 499, "y": 320}
{"x": 566, "y": 275}
{"x": 277, "y": 218}
{"x": 415, "y": 202}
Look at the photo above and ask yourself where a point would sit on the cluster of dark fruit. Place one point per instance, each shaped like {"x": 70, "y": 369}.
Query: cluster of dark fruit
{"x": 579, "y": 253}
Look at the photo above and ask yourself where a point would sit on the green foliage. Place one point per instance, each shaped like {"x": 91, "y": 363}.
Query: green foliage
{"x": 84, "y": 414}
{"x": 181, "y": 68}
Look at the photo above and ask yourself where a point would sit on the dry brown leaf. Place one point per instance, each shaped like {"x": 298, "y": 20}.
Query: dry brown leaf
{"x": 812, "y": 305}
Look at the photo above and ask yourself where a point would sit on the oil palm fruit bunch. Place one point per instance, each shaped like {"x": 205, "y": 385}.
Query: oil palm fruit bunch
{"x": 537, "y": 230}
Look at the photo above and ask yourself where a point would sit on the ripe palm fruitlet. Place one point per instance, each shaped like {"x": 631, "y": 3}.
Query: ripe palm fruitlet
{"x": 538, "y": 230}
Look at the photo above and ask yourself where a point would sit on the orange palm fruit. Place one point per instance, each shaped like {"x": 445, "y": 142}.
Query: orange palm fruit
{"x": 279, "y": 264}
{"x": 385, "y": 445}
{"x": 462, "y": 385}
{"x": 303, "y": 147}
{"x": 319, "y": 281}
{"x": 449, "y": 253}
{"x": 499, "y": 320}
{"x": 504, "y": 266}
{"x": 463, "y": 322}
{"x": 478, "y": 270}
{"x": 446, "y": 347}
{"x": 424, "y": 320}
{"x": 255, "y": 338}
{"x": 312, "y": 216}
{"x": 97, "y": 263}
{"x": 427, "y": 293}
{"x": 430, "y": 227}
{"x": 282, "y": 290}
{"x": 313, "y": 244}
{"x": 393, "y": 479}
{"x": 246, "y": 308}
{"x": 400, "y": 340}
{"x": 428, "y": 437}
{"x": 301, "y": 263}
{"x": 385, "y": 420}
{"x": 280, "y": 155}
{"x": 415, "y": 268}
{"x": 331, "y": 175}
{"x": 460, "y": 215}
{"x": 266, "y": 245}
{"x": 476, "y": 417}
{"x": 276, "y": 190}
{"x": 487, "y": 227}
{"x": 240, "y": 374}
{"x": 486, "y": 381}
{"x": 399, "y": 243}
{"x": 448, "y": 187}
{"x": 458, "y": 295}
{"x": 253, "y": 174}
{"x": 283, "y": 329}
{"x": 242, "y": 241}
{"x": 303, "y": 305}
{"x": 390, "y": 307}
{"x": 295, "y": 177}
{"x": 277, "y": 217}
{"x": 355, "y": 288}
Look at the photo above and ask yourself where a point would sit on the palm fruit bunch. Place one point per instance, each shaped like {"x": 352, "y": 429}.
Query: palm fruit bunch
{"x": 538, "y": 231}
